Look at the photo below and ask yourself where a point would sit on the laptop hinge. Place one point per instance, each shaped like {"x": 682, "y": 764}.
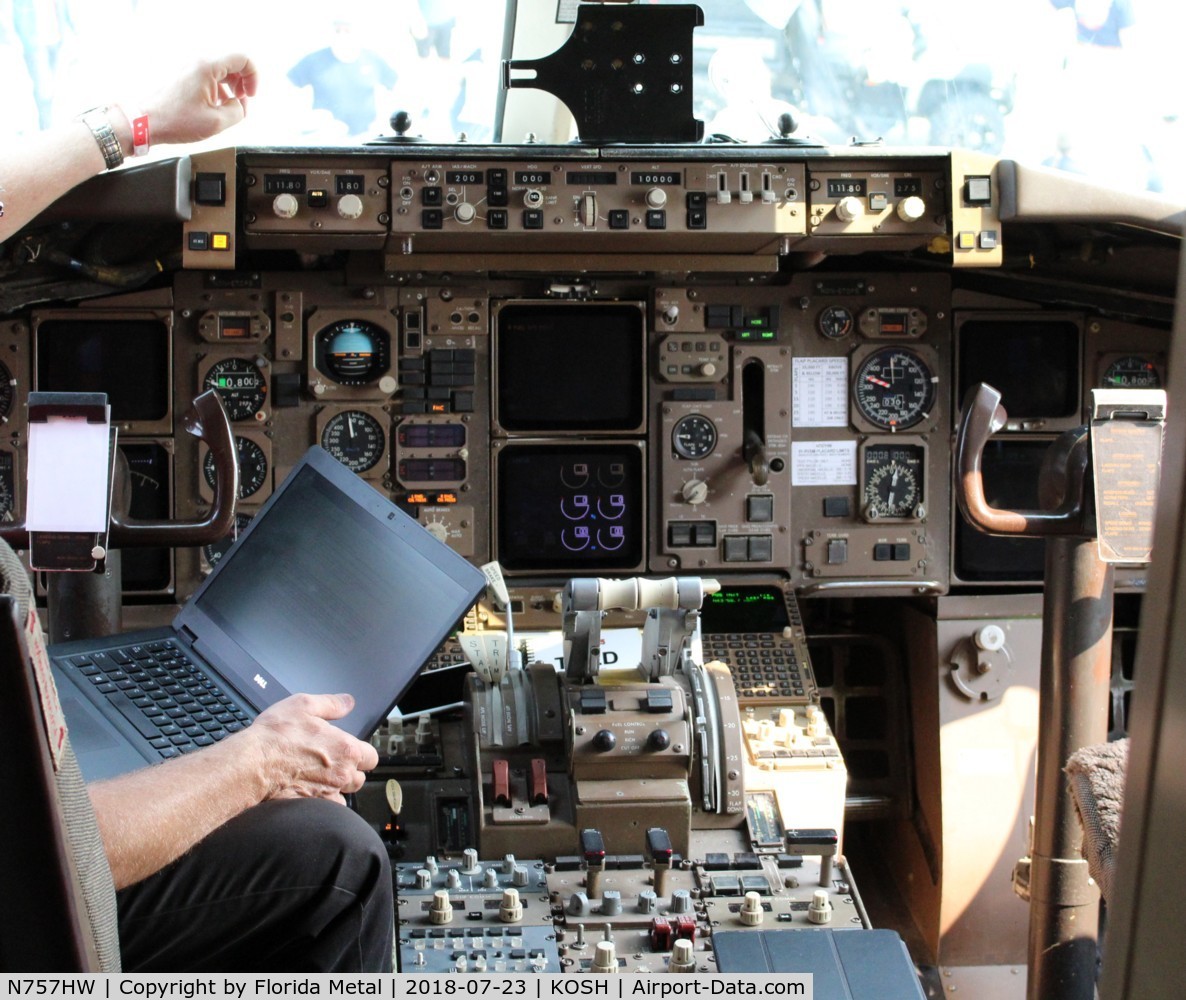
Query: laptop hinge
{"x": 190, "y": 637}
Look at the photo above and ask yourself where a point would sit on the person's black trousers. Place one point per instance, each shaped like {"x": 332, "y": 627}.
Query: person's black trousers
{"x": 294, "y": 885}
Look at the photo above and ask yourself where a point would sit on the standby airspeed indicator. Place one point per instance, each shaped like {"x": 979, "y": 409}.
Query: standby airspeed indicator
{"x": 894, "y": 389}
{"x": 354, "y": 438}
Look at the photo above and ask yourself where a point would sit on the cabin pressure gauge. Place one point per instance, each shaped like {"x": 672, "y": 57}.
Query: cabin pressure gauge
{"x": 894, "y": 389}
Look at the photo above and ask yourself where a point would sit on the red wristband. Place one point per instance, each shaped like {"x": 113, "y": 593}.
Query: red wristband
{"x": 140, "y": 134}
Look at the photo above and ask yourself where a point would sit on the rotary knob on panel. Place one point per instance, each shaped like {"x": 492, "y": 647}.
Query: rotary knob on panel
{"x": 350, "y": 206}
{"x": 981, "y": 664}
{"x": 911, "y": 209}
{"x": 849, "y": 208}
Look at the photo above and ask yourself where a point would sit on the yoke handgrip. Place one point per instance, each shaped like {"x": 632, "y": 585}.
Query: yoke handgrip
{"x": 207, "y": 421}
{"x": 983, "y": 415}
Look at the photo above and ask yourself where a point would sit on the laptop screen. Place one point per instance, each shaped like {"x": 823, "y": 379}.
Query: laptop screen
{"x": 332, "y": 588}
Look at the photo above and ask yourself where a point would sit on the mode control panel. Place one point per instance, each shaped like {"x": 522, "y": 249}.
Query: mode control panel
{"x": 578, "y": 197}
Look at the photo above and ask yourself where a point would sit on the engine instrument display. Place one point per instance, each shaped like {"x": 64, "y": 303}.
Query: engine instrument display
{"x": 892, "y": 481}
{"x": 253, "y": 467}
{"x": 1129, "y": 372}
{"x": 240, "y": 384}
{"x": 570, "y": 507}
{"x": 694, "y": 436}
{"x": 354, "y": 438}
{"x": 353, "y": 352}
{"x": 894, "y": 389}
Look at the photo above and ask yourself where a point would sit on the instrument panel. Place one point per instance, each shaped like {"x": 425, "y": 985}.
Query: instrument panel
{"x": 649, "y": 426}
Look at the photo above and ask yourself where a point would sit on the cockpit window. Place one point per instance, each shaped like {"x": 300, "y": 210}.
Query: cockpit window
{"x": 330, "y": 74}
{"x": 1085, "y": 86}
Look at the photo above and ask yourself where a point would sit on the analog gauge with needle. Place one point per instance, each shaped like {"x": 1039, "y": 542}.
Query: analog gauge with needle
{"x": 894, "y": 388}
{"x": 354, "y": 438}
{"x": 253, "y": 467}
{"x": 892, "y": 482}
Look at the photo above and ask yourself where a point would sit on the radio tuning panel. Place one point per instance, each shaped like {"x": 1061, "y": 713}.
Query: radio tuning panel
{"x": 286, "y": 197}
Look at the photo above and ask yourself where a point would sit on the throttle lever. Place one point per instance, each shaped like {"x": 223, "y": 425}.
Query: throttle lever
{"x": 1064, "y": 474}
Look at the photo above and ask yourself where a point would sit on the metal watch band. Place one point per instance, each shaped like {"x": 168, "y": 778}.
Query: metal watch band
{"x": 96, "y": 120}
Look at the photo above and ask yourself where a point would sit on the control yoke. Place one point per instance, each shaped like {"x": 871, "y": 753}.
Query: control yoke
{"x": 207, "y": 421}
{"x": 1063, "y": 478}
{"x": 1087, "y": 527}
{"x": 673, "y": 610}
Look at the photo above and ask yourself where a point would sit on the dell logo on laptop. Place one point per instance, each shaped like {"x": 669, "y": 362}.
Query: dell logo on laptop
{"x": 260, "y": 681}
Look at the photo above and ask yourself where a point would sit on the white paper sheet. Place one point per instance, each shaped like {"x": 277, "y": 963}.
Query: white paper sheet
{"x": 69, "y": 464}
{"x": 819, "y": 392}
{"x": 824, "y": 463}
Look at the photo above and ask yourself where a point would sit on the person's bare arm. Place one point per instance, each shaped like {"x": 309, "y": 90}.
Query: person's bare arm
{"x": 37, "y": 170}
{"x": 152, "y": 816}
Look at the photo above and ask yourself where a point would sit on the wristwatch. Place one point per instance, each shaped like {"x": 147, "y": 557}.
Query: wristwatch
{"x": 97, "y": 121}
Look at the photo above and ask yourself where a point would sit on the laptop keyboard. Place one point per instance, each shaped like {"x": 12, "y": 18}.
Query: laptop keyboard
{"x": 158, "y": 688}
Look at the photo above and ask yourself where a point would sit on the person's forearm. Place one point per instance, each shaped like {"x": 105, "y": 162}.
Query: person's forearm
{"x": 152, "y": 816}
{"x": 38, "y": 169}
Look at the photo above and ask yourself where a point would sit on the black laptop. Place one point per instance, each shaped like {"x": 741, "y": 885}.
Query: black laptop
{"x": 330, "y": 588}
